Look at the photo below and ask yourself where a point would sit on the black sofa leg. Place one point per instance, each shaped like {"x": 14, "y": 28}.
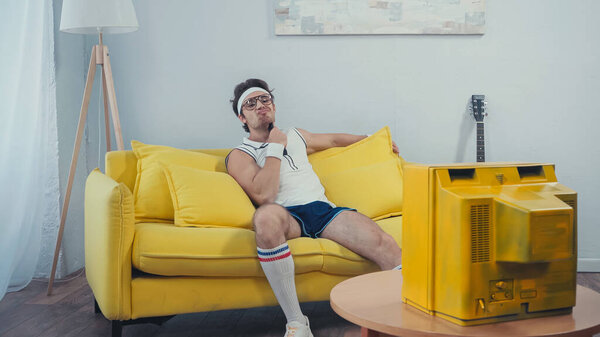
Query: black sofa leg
{"x": 96, "y": 307}
{"x": 117, "y": 328}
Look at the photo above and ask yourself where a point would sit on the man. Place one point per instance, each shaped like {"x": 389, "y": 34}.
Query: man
{"x": 273, "y": 169}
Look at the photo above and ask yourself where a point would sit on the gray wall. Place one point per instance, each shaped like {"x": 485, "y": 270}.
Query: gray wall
{"x": 537, "y": 65}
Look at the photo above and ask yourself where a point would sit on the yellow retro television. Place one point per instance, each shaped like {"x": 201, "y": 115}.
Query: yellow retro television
{"x": 488, "y": 242}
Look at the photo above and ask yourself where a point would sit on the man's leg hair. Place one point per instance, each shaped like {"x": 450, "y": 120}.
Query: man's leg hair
{"x": 363, "y": 236}
{"x": 274, "y": 226}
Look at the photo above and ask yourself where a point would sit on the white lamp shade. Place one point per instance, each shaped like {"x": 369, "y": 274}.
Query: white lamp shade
{"x": 94, "y": 16}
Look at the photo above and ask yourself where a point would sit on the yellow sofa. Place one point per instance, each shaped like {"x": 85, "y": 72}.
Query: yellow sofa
{"x": 155, "y": 269}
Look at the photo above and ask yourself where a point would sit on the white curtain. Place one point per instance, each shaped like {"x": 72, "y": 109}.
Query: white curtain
{"x": 29, "y": 184}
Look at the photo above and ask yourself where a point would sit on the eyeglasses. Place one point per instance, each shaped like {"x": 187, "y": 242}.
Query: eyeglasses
{"x": 250, "y": 103}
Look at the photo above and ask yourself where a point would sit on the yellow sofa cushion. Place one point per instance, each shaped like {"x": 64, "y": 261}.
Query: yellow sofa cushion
{"x": 207, "y": 199}
{"x": 366, "y": 175}
{"x": 122, "y": 165}
{"x": 374, "y": 190}
{"x": 164, "y": 249}
{"x": 373, "y": 149}
{"x": 151, "y": 192}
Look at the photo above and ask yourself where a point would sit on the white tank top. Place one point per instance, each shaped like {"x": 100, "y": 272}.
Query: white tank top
{"x": 298, "y": 183}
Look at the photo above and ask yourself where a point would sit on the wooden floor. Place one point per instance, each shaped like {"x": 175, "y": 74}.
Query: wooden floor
{"x": 70, "y": 312}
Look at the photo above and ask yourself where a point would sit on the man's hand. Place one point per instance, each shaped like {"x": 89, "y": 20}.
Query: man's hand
{"x": 395, "y": 148}
{"x": 277, "y": 136}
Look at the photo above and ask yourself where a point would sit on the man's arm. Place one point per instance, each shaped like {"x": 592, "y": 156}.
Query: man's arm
{"x": 260, "y": 184}
{"x": 322, "y": 141}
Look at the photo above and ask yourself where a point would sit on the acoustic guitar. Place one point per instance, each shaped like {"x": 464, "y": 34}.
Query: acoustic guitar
{"x": 478, "y": 106}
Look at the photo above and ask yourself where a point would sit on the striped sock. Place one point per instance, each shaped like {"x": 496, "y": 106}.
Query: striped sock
{"x": 278, "y": 265}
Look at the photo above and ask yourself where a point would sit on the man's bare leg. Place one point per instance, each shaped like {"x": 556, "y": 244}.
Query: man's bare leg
{"x": 274, "y": 226}
{"x": 363, "y": 236}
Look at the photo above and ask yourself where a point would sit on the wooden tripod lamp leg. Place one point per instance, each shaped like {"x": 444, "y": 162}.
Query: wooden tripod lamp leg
{"x": 82, "y": 117}
{"x": 106, "y": 119}
{"x": 112, "y": 99}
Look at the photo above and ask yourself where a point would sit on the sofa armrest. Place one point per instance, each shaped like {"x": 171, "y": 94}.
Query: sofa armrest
{"x": 109, "y": 230}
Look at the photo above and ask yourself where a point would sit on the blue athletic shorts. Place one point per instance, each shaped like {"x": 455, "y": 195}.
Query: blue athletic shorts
{"x": 315, "y": 216}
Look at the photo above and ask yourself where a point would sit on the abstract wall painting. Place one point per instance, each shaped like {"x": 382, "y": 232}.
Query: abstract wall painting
{"x": 359, "y": 17}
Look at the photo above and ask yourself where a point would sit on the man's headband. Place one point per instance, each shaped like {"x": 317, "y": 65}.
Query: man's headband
{"x": 245, "y": 94}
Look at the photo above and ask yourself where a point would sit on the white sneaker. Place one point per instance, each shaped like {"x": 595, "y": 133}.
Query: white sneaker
{"x": 297, "y": 329}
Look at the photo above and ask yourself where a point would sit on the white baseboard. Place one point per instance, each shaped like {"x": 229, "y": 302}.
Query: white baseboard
{"x": 588, "y": 265}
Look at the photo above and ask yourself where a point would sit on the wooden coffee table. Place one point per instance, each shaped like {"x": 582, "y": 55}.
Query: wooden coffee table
{"x": 373, "y": 301}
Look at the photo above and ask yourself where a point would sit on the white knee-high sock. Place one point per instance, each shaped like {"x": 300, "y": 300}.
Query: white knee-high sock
{"x": 278, "y": 265}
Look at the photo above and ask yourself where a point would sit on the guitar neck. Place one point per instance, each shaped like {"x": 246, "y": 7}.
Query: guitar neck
{"x": 480, "y": 143}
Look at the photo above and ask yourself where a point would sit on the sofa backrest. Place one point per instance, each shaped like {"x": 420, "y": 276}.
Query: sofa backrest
{"x": 122, "y": 165}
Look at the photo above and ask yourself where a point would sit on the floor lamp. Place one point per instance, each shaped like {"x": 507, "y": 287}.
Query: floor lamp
{"x": 94, "y": 17}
